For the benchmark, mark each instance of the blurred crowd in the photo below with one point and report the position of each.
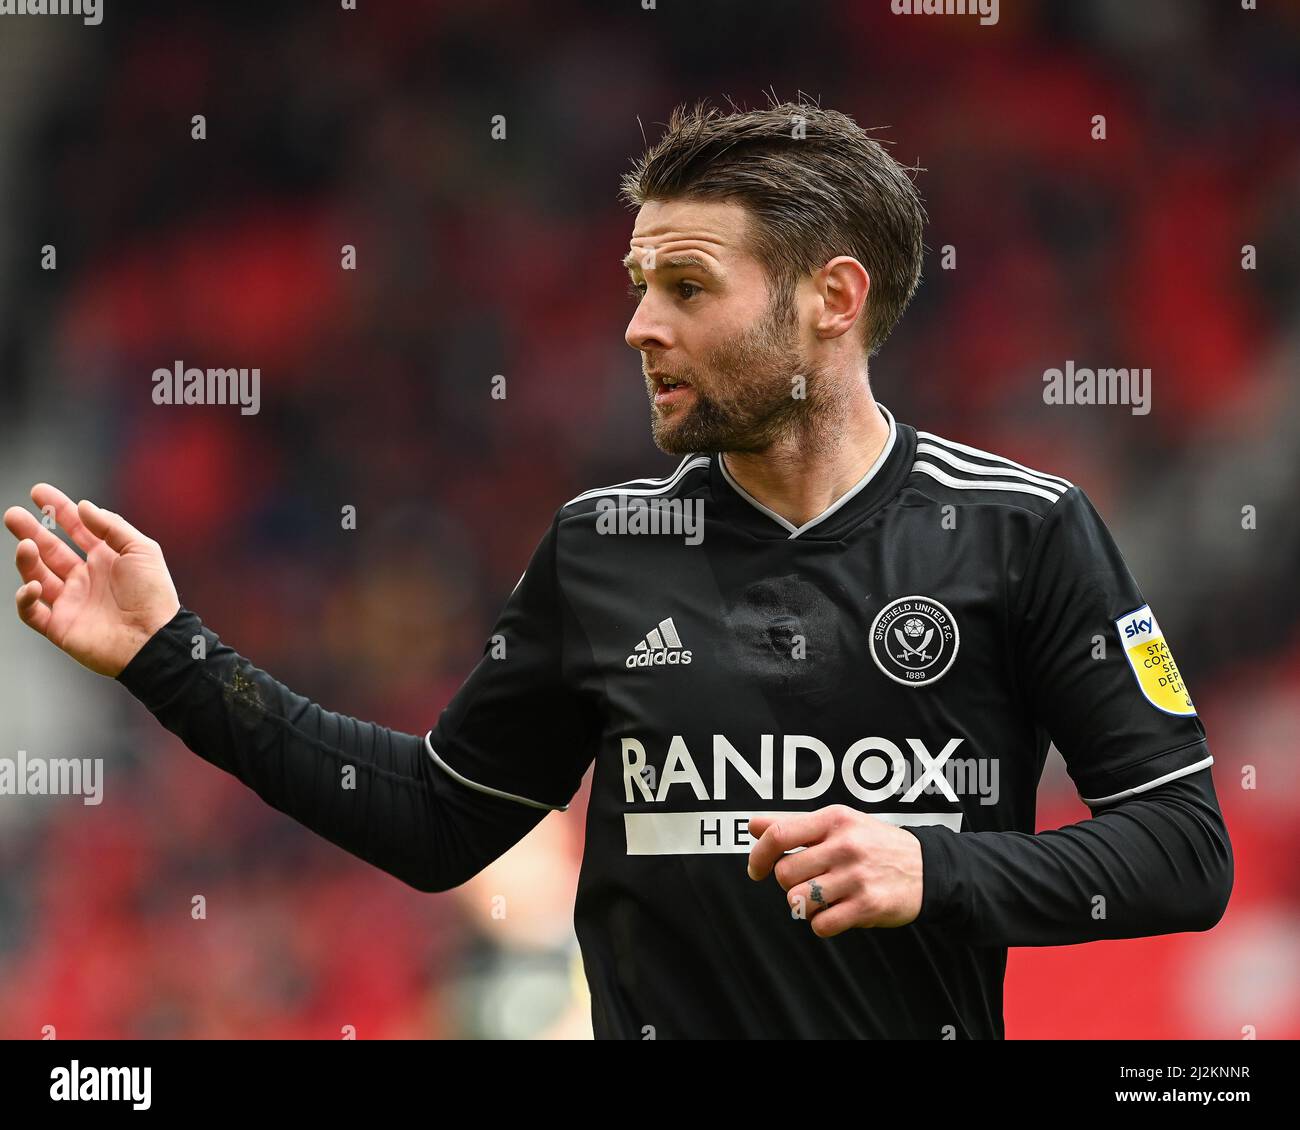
(479, 257)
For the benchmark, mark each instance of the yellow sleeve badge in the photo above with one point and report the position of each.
(1152, 663)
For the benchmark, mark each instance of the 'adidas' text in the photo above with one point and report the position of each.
(662, 647)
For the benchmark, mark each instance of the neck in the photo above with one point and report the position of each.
(799, 479)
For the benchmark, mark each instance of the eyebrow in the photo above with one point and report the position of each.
(672, 263)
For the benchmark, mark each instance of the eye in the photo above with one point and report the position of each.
(686, 290)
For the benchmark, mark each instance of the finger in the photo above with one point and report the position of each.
(60, 558)
(800, 866)
(31, 568)
(835, 920)
(31, 611)
(820, 893)
(790, 830)
(760, 824)
(65, 513)
(116, 532)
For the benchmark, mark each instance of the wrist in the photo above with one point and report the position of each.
(939, 902)
(163, 659)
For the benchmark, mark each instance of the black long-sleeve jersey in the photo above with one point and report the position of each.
(911, 652)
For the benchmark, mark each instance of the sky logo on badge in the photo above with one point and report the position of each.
(1149, 656)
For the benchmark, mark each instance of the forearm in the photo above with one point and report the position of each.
(1158, 863)
(372, 791)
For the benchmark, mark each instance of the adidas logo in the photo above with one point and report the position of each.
(661, 647)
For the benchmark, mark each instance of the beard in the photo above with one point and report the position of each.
(743, 394)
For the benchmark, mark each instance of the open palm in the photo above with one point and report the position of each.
(100, 610)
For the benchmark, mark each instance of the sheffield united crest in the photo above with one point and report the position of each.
(914, 640)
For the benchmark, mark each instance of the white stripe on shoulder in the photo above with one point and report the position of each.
(946, 456)
(651, 481)
(980, 453)
(982, 484)
(648, 486)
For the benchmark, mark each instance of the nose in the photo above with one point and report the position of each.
(647, 331)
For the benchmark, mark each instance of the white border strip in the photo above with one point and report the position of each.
(438, 761)
(1151, 784)
(715, 832)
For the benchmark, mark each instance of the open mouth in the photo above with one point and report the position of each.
(669, 388)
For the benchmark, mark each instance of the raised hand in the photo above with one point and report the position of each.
(100, 610)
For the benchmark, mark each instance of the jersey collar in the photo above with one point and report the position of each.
(883, 480)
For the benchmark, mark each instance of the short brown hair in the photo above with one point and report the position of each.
(817, 185)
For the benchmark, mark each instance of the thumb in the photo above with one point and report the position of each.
(116, 532)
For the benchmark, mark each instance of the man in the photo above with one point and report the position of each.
(829, 646)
